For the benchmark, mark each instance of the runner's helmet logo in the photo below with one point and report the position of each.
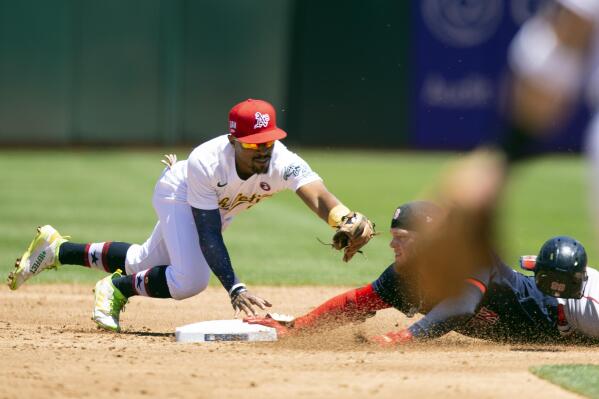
(261, 120)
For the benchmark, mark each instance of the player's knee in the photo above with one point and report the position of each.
(187, 290)
(186, 285)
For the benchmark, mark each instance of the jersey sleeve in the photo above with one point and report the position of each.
(200, 192)
(393, 290)
(297, 172)
(209, 227)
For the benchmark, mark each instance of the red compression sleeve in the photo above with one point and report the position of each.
(350, 306)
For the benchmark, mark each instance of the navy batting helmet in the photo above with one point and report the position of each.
(560, 269)
(415, 215)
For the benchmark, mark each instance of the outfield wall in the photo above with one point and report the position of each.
(152, 71)
(381, 73)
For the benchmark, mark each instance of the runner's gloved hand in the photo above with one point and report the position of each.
(282, 323)
(393, 338)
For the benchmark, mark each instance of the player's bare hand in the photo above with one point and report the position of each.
(392, 338)
(244, 301)
(169, 160)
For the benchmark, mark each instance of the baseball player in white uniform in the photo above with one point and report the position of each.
(195, 200)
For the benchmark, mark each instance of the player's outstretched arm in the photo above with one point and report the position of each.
(352, 306)
(316, 196)
(443, 318)
(209, 226)
(353, 229)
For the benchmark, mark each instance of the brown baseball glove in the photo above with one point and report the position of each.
(352, 234)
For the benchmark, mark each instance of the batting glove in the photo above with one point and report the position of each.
(393, 338)
(283, 329)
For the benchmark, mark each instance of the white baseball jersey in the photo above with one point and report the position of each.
(583, 314)
(208, 179)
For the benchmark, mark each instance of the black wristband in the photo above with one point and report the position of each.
(236, 290)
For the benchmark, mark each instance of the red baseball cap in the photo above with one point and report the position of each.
(254, 121)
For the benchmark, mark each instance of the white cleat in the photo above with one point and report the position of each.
(108, 304)
(42, 254)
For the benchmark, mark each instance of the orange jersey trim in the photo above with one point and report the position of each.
(477, 284)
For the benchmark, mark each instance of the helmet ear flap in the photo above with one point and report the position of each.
(528, 262)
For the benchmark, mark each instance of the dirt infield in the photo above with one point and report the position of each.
(50, 348)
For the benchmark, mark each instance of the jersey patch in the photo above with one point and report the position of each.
(483, 317)
(295, 170)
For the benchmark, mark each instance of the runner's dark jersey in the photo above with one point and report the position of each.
(498, 304)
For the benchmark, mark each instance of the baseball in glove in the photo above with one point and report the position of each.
(354, 231)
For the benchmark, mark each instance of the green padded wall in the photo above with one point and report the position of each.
(35, 71)
(167, 71)
(117, 81)
(234, 49)
(149, 71)
(349, 78)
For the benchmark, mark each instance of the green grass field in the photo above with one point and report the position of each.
(580, 378)
(106, 195)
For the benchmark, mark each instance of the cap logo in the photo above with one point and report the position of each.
(232, 125)
(397, 212)
(261, 120)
